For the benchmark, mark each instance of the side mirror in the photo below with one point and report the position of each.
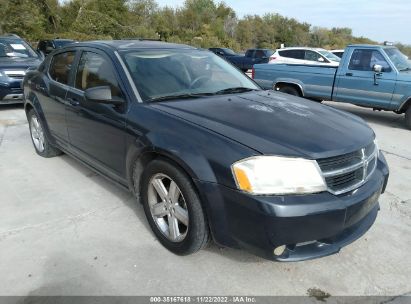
(377, 68)
(102, 95)
(321, 59)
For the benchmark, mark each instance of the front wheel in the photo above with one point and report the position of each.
(39, 139)
(173, 208)
(408, 117)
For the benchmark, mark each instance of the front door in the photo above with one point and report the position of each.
(357, 83)
(97, 130)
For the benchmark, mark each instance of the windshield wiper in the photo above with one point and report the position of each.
(405, 69)
(174, 97)
(234, 90)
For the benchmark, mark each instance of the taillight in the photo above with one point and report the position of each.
(272, 58)
(253, 73)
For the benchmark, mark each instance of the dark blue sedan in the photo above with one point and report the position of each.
(206, 151)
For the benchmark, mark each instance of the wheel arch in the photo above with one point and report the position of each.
(280, 84)
(32, 103)
(404, 107)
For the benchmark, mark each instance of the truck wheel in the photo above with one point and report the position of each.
(289, 90)
(39, 139)
(173, 208)
(408, 117)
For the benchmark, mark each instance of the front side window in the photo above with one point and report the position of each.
(365, 59)
(330, 56)
(94, 70)
(172, 72)
(312, 56)
(60, 67)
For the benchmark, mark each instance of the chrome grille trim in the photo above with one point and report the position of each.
(348, 177)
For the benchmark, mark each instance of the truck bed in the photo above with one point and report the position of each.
(314, 80)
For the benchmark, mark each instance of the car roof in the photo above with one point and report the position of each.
(301, 48)
(132, 44)
(372, 46)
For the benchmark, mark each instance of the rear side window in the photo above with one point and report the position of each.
(296, 54)
(94, 70)
(365, 59)
(60, 67)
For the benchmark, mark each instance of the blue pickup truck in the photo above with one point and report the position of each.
(373, 76)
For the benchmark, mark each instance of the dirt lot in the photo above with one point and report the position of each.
(66, 231)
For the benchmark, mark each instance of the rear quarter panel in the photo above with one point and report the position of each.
(316, 82)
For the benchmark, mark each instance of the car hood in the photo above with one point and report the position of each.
(18, 63)
(275, 123)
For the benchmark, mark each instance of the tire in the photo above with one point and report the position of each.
(39, 139)
(193, 230)
(290, 90)
(408, 117)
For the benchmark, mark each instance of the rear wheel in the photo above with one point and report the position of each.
(39, 139)
(289, 90)
(173, 208)
(408, 117)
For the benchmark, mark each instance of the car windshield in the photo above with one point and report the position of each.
(229, 52)
(398, 59)
(330, 56)
(16, 48)
(164, 74)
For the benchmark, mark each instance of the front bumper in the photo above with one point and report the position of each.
(311, 226)
(11, 91)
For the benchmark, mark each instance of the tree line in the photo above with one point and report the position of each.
(201, 23)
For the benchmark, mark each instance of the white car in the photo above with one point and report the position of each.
(304, 55)
(338, 53)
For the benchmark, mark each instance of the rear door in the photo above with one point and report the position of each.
(52, 93)
(97, 130)
(357, 82)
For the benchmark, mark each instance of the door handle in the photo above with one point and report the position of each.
(73, 102)
(348, 74)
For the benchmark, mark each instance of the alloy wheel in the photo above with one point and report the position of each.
(37, 134)
(168, 207)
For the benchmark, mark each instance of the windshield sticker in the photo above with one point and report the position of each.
(18, 46)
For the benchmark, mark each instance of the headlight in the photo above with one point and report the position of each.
(278, 175)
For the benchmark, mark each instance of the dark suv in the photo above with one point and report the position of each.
(16, 57)
(45, 47)
(208, 153)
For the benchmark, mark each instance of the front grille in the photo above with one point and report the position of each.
(349, 171)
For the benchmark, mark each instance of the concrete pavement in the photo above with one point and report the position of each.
(66, 231)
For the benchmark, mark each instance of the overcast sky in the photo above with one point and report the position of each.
(379, 20)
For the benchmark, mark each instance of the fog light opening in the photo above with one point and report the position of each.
(279, 250)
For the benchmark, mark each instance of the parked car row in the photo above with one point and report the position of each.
(16, 58)
(295, 55)
(372, 76)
